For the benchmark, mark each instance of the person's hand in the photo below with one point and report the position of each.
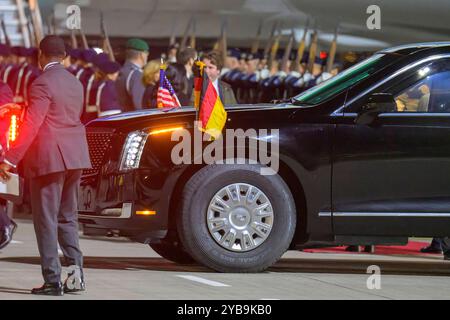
(4, 172)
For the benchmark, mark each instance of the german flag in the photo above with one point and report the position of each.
(211, 111)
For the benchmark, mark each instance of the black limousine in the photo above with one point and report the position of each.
(363, 158)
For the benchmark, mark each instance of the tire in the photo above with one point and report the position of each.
(194, 224)
(173, 251)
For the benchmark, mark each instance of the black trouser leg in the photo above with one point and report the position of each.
(4, 219)
(68, 219)
(46, 192)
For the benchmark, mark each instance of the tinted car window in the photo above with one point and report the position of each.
(425, 90)
(344, 80)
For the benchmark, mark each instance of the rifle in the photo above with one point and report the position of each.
(185, 35)
(272, 36)
(30, 33)
(313, 49)
(74, 40)
(223, 43)
(49, 24)
(173, 39)
(37, 22)
(287, 52)
(275, 47)
(5, 33)
(301, 45)
(106, 43)
(84, 39)
(255, 45)
(333, 49)
(192, 40)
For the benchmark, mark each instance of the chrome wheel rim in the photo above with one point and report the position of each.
(240, 217)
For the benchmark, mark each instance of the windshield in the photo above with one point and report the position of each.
(342, 81)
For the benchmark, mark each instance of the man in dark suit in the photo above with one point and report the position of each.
(213, 68)
(52, 143)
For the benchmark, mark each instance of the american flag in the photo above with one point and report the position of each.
(167, 97)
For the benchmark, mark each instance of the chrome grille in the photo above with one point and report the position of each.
(99, 142)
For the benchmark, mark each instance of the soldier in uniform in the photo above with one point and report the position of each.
(31, 72)
(130, 88)
(87, 70)
(249, 80)
(271, 87)
(19, 57)
(107, 101)
(74, 59)
(305, 76)
(232, 71)
(315, 74)
(90, 111)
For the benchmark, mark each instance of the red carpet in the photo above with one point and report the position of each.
(412, 248)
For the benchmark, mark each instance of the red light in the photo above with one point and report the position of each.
(13, 128)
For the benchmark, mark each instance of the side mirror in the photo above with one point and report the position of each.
(377, 103)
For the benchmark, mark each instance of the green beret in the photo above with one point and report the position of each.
(138, 44)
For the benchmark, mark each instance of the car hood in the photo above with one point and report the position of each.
(145, 117)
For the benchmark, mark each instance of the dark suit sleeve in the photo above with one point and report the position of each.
(228, 94)
(36, 113)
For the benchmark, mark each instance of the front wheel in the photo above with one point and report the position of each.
(233, 219)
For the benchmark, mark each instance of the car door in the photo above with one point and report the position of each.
(392, 177)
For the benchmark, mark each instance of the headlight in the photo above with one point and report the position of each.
(132, 150)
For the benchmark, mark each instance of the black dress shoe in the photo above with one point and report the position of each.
(431, 249)
(7, 234)
(49, 289)
(447, 255)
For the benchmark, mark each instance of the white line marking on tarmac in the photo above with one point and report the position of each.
(204, 281)
(16, 242)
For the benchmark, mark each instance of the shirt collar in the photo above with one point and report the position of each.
(134, 65)
(216, 85)
(50, 65)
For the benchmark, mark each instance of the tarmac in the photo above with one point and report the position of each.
(118, 269)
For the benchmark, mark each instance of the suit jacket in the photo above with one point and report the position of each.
(130, 88)
(52, 138)
(226, 94)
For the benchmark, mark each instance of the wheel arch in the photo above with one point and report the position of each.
(285, 172)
